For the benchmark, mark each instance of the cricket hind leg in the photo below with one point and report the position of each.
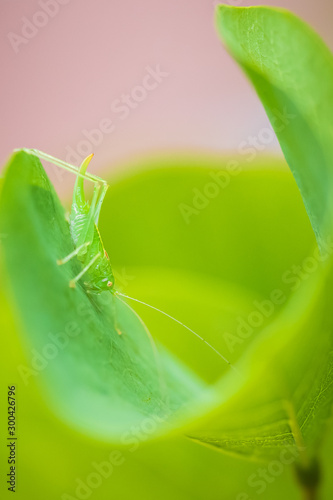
(87, 233)
(97, 181)
(75, 170)
(65, 165)
(99, 203)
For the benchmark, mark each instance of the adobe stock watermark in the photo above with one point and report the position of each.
(294, 276)
(250, 147)
(264, 309)
(122, 278)
(40, 360)
(57, 342)
(31, 27)
(264, 476)
(101, 471)
(220, 179)
(121, 108)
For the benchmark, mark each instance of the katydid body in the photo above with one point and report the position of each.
(89, 248)
(83, 223)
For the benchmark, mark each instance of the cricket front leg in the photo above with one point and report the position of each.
(68, 257)
(73, 281)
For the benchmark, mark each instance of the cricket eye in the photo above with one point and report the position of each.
(109, 283)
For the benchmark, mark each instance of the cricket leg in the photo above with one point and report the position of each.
(66, 166)
(99, 203)
(73, 281)
(68, 257)
(81, 173)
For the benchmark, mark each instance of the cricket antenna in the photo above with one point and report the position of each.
(180, 323)
(162, 382)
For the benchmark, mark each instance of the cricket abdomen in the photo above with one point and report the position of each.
(77, 226)
(100, 275)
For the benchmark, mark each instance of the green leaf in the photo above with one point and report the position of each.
(235, 233)
(232, 254)
(292, 72)
(238, 247)
(209, 270)
(184, 271)
(287, 397)
(98, 380)
(259, 237)
(251, 415)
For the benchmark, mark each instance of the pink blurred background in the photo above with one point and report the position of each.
(67, 77)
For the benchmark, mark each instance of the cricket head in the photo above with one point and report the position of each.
(102, 284)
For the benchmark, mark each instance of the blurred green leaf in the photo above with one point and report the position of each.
(287, 396)
(28, 205)
(98, 380)
(281, 359)
(185, 283)
(292, 72)
(209, 271)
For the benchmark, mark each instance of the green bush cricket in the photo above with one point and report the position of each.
(87, 240)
